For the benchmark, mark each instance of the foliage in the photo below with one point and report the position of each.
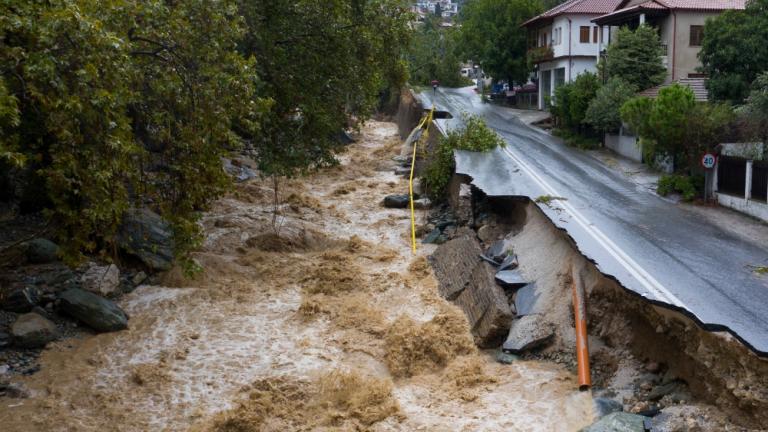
(572, 99)
(491, 35)
(684, 185)
(735, 50)
(635, 57)
(539, 54)
(575, 139)
(432, 55)
(675, 125)
(323, 65)
(603, 111)
(473, 136)
(754, 113)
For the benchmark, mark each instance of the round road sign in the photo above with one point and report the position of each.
(708, 161)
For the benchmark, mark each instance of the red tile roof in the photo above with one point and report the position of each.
(586, 7)
(704, 5)
(696, 84)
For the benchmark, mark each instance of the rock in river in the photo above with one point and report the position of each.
(146, 235)
(396, 201)
(42, 251)
(33, 331)
(97, 312)
(528, 332)
(104, 280)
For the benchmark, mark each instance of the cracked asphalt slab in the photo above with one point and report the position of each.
(661, 250)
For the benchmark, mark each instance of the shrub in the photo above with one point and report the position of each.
(474, 136)
(687, 186)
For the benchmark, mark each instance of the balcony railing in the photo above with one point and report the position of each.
(540, 54)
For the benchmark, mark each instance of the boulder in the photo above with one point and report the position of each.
(147, 236)
(618, 422)
(396, 201)
(605, 406)
(33, 331)
(42, 251)
(422, 204)
(21, 300)
(138, 278)
(97, 312)
(506, 358)
(527, 333)
(5, 339)
(432, 236)
(104, 280)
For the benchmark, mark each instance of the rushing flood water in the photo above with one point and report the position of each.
(194, 345)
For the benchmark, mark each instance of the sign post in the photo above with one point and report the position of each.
(708, 161)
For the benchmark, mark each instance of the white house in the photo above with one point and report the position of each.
(564, 42)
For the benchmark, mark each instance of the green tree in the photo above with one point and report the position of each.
(603, 111)
(754, 113)
(432, 55)
(322, 64)
(572, 100)
(635, 57)
(735, 50)
(491, 35)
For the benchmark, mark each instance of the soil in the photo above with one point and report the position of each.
(324, 320)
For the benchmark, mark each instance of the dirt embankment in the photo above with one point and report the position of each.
(323, 321)
(647, 357)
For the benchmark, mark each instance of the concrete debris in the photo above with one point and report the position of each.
(396, 201)
(605, 406)
(33, 331)
(509, 263)
(103, 280)
(469, 282)
(497, 252)
(527, 333)
(511, 279)
(618, 422)
(97, 312)
(463, 204)
(526, 299)
(506, 358)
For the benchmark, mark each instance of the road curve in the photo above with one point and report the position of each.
(655, 247)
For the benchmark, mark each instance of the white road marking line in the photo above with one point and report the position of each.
(648, 281)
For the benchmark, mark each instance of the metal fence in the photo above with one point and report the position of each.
(731, 175)
(760, 181)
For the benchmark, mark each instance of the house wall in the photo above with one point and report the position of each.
(686, 56)
(625, 145)
(576, 47)
(572, 66)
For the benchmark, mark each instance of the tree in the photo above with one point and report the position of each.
(490, 34)
(603, 111)
(735, 50)
(432, 55)
(635, 57)
(322, 65)
(674, 124)
(754, 113)
(572, 99)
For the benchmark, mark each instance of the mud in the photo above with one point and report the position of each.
(322, 321)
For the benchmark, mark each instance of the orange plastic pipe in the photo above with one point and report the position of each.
(582, 344)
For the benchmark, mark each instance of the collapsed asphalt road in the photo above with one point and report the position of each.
(660, 250)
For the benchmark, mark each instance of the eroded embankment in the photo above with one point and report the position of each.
(649, 358)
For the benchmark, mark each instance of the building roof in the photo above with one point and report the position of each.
(700, 92)
(584, 7)
(630, 8)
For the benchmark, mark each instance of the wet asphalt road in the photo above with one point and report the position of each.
(659, 249)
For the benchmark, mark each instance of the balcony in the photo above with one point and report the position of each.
(540, 54)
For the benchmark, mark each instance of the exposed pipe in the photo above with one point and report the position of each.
(582, 343)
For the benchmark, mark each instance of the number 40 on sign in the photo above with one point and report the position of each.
(708, 161)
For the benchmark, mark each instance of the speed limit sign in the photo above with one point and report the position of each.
(708, 161)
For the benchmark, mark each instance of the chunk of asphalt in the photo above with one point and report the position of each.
(488, 260)
(497, 251)
(511, 279)
(432, 236)
(525, 300)
(509, 263)
(527, 333)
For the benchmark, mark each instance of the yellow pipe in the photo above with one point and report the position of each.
(425, 121)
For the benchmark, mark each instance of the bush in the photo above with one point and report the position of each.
(687, 186)
(575, 139)
(474, 136)
(572, 100)
(603, 111)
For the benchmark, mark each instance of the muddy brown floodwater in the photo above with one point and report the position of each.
(332, 324)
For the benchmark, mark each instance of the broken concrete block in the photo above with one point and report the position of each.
(528, 332)
(486, 307)
(497, 252)
(432, 236)
(511, 279)
(509, 263)
(463, 206)
(453, 264)
(525, 300)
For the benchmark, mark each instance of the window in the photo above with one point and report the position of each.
(584, 34)
(697, 34)
(594, 34)
(558, 36)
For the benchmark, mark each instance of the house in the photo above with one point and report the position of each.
(680, 24)
(564, 42)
